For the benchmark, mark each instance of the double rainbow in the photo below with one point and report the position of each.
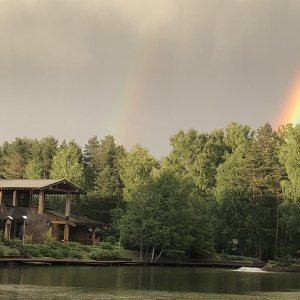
(132, 97)
(291, 110)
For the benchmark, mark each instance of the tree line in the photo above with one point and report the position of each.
(233, 190)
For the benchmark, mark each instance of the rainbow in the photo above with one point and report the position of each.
(132, 98)
(291, 110)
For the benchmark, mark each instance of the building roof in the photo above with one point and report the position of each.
(50, 186)
(74, 219)
(11, 212)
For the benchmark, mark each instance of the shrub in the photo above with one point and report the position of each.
(1, 252)
(13, 252)
(111, 239)
(54, 244)
(32, 250)
(86, 248)
(97, 254)
(104, 245)
(46, 250)
(64, 253)
(48, 236)
(18, 244)
(72, 245)
(28, 238)
(58, 254)
(76, 254)
(104, 254)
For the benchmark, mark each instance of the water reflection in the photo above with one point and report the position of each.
(155, 279)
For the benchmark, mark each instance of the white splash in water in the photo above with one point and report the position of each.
(249, 269)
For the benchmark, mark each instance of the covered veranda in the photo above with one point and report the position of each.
(16, 204)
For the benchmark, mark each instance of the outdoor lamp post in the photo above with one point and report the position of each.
(24, 217)
(10, 220)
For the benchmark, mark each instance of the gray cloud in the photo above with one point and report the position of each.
(72, 68)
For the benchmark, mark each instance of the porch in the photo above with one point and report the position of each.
(18, 210)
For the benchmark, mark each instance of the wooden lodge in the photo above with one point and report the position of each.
(17, 208)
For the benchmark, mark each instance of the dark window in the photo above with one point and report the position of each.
(7, 197)
(23, 198)
(61, 229)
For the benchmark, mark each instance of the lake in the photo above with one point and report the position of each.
(132, 282)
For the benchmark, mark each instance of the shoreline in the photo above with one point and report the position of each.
(123, 262)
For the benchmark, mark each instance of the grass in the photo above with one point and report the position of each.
(134, 255)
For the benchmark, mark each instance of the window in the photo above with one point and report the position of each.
(23, 198)
(7, 198)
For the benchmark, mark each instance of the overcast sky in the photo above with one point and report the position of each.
(141, 70)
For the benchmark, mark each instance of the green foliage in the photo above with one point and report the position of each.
(137, 166)
(13, 252)
(104, 254)
(113, 234)
(32, 250)
(5, 247)
(177, 254)
(86, 248)
(102, 168)
(48, 236)
(68, 250)
(197, 156)
(67, 163)
(289, 156)
(40, 163)
(47, 250)
(227, 257)
(15, 156)
(105, 245)
(160, 215)
(212, 190)
(71, 245)
(74, 253)
(285, 261)
(17, 244)
(1, 252)
(249, 195)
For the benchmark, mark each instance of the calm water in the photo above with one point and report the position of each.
(162, 283)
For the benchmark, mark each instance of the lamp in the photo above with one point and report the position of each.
(24, 217)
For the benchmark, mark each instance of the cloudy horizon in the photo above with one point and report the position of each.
(142, 70)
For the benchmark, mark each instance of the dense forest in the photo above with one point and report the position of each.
(234, 190)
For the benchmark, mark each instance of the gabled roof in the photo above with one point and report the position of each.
(50, 186)
(16, 213)
(11, 212)
(74, 219)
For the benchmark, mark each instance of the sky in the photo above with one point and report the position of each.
(141, 70)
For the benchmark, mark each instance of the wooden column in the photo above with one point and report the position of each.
(14, 230)
(93, 236)
(66, 233)
(41, 202)
(68, 205)
(30, 199)
(6, 229)
(15, 203)
(55, 231)
(1, 197)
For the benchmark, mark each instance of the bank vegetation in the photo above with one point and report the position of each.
(234, 191)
